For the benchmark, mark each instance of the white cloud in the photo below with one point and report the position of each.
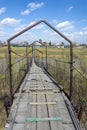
(20, 27)
(46, 31)
(2, 10)
(50, 33)
(70, 8)
(9, 22)
(10, 26)
(31, 23)
(34, 6)
(25, 12)
(31, 7)
(85, 28)
(79, 36)
(65, 26)
(2, 33)
(55, 21)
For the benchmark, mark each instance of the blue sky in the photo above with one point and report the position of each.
(68, 16)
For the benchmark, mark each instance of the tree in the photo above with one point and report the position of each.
(62, 43)
(40, 41)
(50, 43)
(74, 44)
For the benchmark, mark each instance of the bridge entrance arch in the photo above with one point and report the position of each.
(54, 29)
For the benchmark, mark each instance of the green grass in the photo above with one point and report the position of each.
(55, 53)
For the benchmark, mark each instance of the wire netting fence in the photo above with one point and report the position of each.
(20, 64)
(4, 85)
(59, 68)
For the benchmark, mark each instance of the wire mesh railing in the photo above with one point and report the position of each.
(4, 85)
(19, 66)
(59, 68)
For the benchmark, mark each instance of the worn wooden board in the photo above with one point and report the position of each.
(53, 111)
(42, 93)
(31, 112)
(42, 103)
(42, 113)
(40, 88)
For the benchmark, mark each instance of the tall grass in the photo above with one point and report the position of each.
(59, 67)
(18, 56)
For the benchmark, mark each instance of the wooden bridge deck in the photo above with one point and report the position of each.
(39, 105)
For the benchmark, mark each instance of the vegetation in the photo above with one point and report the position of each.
(18, 71)
(58, 66)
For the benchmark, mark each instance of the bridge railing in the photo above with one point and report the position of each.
(79, 99)
(20, 63)
(59, 68)
(4, 85)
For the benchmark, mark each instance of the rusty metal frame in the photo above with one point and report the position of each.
(59, 33)
(27, 56)
(41, 53)
(45, 53)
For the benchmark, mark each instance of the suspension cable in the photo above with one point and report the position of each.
(79, 72)
(4, 72)
(16, 53)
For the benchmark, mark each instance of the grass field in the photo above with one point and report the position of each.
(79, 54)
(63, 54)
(57, 52)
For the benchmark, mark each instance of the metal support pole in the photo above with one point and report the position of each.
(32, 51)
(71, 69)
(27, 57)
(10, 71)
(46, 59)
(56, 69)
(42, 59)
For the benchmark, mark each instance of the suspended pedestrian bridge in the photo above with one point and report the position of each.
(36, 101)
(40, 104)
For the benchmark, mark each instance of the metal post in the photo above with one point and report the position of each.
(46, 59)
(10, 71)
(56, 68)
(42, 59)
(32, 51)
(27, 56)
(71, 69)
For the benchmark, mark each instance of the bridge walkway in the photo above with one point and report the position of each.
(39, 105)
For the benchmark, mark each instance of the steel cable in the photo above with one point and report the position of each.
(79, 72)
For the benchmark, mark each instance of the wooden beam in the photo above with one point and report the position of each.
(43, 93)
(42, 103)
(44, 119)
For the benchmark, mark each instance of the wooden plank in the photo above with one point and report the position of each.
(40, 88)
(42, 103)
(18, 127)
(42, 93)
(22, 109)
(63, 110)
(43, 119)
(56, 91)
(31, 113)
(53, 111)
(42, 113)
